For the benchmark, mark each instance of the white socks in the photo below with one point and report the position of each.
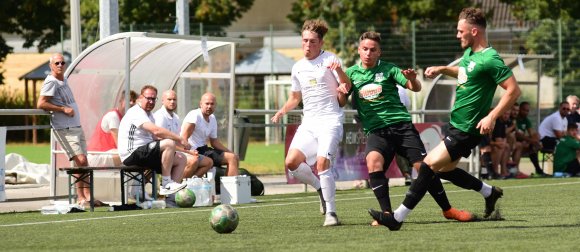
(328, 190)
(485, 190)
(401, 213)
(165, 180)
(304, 174)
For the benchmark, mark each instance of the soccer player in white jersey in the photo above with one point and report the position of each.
(315, 80)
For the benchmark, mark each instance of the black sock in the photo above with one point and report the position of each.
(461, 178)
(438, 193)
(419, 186)
(486, 157)
(380, 185)
(534, 158)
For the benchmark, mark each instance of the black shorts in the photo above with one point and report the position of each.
(549, 143)
(401, 138)
(217, 156)
(459, 143)
(148, 155)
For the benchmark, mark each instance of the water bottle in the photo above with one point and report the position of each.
(146, 204)
(158, 204)
(205, 193)
(196, 187)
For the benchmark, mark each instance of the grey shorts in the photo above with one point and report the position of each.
(72, 141)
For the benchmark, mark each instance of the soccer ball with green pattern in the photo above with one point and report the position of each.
(224, 219)
(185, 198)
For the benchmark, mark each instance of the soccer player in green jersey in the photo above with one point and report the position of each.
(387, 123)
(479, 73)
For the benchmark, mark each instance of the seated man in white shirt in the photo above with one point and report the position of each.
(143, 143)
(166, 117)
(554, 127)
(200, 126)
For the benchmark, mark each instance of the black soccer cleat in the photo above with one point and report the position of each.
(322, 202)
(490, 201)
(386, 219)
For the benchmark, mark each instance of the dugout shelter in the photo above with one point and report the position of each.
(190, 65)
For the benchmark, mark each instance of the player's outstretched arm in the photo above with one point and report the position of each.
(434, 71)
(293, 101)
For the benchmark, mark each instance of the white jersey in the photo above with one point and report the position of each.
(203, 129)
(553, 122)
(318, 86)
(165, 120)
(131, 132)
(110, 121)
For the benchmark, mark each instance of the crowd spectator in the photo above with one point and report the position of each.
(568, 153)
(574, 115)
(528, 138)
(553, 127)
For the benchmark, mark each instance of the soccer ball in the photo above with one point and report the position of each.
(224, 219)
(185, 198)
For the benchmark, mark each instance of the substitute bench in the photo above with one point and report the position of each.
(128, 174)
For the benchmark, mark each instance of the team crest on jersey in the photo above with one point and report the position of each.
(312, 82)
(379, 77)
(471, 66)
(370, 91)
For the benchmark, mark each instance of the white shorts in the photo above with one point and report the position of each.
(100, 160)
(317, 140)
(72, 141)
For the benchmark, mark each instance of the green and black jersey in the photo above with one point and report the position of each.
(477, 79)
(376, 96)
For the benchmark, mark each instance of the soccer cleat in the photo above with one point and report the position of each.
(322, 202)
(171, 188)
(458, 215)
(490, 201)
(386, 219)
(331, 220)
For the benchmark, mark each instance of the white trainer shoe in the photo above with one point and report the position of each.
(171, 188)
(331, 220)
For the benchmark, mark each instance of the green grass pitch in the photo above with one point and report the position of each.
(539, 215)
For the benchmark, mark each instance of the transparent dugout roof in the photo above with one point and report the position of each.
(97, 76)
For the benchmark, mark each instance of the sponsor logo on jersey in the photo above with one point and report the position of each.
(370, 91)
(471, 66)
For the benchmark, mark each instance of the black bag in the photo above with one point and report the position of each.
(256, 186)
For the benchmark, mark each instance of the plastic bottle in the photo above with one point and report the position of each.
(205, 193)
(155, 204)
(196, 187)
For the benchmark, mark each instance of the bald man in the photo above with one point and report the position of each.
(167, 118)
(200, 126)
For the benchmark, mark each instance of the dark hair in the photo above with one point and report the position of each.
(132, 96)
(564, 103)
(148, 87)
(572, 126)
(372, 35)
(524, 103)
(473, 16)
(516, 104)
(317, 26)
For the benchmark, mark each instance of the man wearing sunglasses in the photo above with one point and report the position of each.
(57, 98)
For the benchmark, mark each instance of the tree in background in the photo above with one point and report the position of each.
(358, 16)
(39, 21)
(543, 38)
(159, 15)
(36, 21)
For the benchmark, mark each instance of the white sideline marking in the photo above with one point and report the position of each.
(256, 206)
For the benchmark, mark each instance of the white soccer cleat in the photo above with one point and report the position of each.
(331, 220)
(171, 188)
